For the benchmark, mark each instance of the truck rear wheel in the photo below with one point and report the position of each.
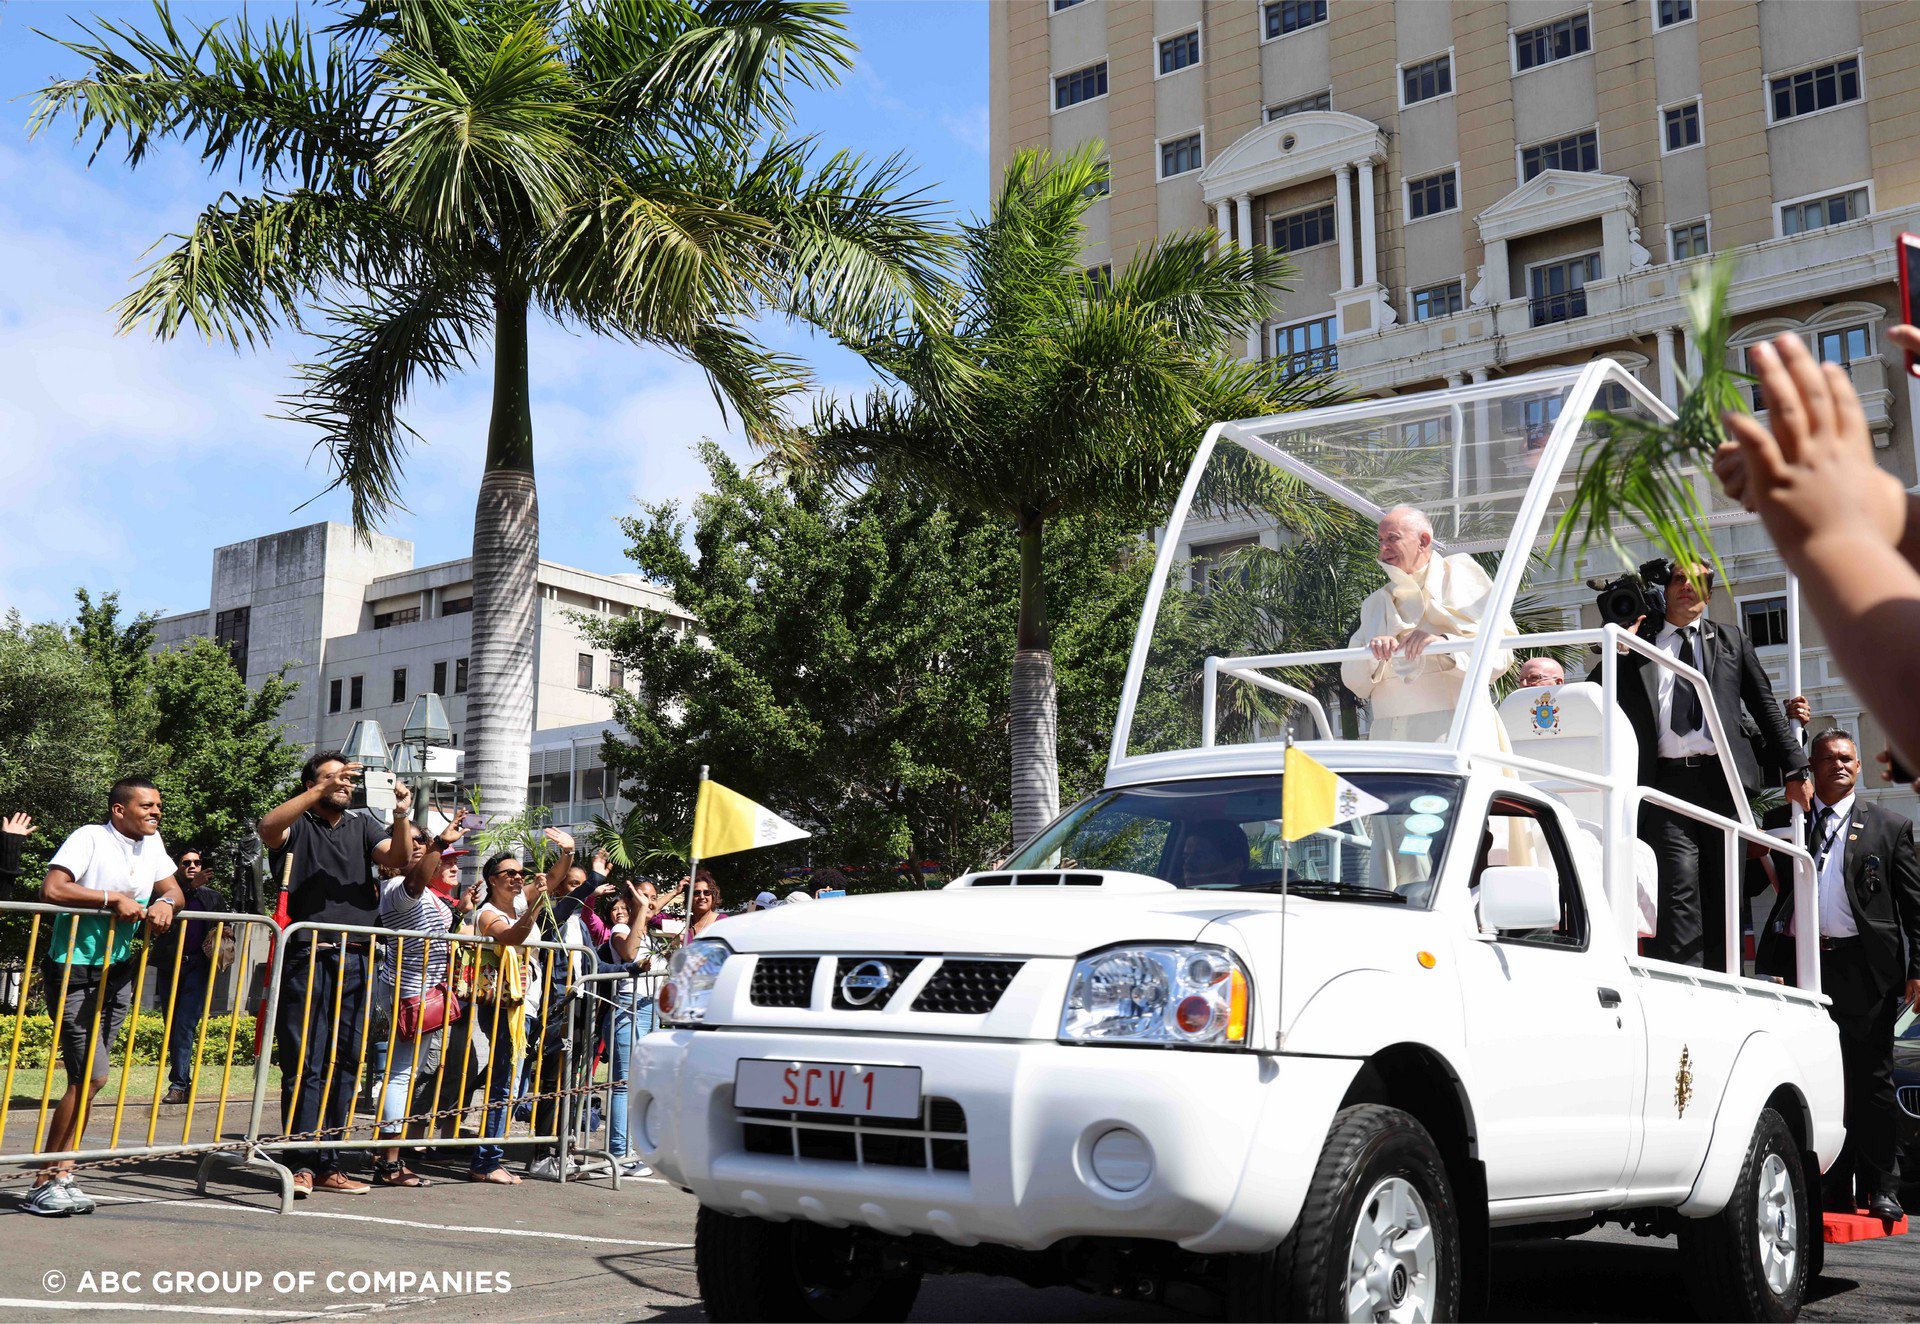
(1752, 1260)
(1378, 1236)
(751, 1270)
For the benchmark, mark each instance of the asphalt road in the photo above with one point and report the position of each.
(584, 1253)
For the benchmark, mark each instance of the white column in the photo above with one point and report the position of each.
(1669, 387)
(1223, 223)
(1615, 257)
(1455, 379)
(1343, 223)
(1243, 207)
(1495, 272)
(1369, 241)
(1479, 375)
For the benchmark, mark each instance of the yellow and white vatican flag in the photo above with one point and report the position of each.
(726, 821)
(1314, 797)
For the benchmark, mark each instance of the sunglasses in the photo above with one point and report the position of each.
(508, 873)
(189, 863)
(702, 894)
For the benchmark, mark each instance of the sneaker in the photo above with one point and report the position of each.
(82, 1202)
(50, 1199)
(545, 1169)
(635, 1168)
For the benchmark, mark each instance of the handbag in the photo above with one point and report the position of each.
(427, 1012)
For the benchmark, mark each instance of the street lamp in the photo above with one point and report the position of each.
(425, 727)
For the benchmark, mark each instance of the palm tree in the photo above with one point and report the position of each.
(1059, 392)
(431, 172)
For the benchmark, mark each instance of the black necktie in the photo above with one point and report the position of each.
(1822, 844)
(1687, 717)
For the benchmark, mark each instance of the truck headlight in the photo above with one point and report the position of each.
(690, 978)
(1184, 996)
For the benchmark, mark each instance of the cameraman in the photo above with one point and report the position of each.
(1679, 758)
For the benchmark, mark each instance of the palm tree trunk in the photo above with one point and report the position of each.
(1035, 714)
(506, 594)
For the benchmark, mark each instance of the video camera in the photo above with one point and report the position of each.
(1625, 600)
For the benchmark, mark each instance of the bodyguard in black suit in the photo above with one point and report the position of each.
(1678, 756)
(1869, 912)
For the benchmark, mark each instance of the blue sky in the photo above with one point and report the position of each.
(124, 461)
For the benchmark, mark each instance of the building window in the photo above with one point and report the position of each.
(399, 685)
(1689, 240)
(1558, 289)
(1561, 39)
(1102, 183)
(1080, 85)
(1180, 156)
(1432, 195)
(1818, 213)
(1426, 80)
(1844, 345)
(1425, 432)
(403, 616)
(1581, 151)
(1682, 126)
(460, 676)
(1100, 279)
(1284, 16)
(1764, 621)
(616, 674)
(1306, 347)
(1302, 229)
(1059, 5)
(1819, 88)
(455, 606)
(440, 678)
(230, 631)
(356, 692)
(1437, 301)
(1179, 52)
(1318, 101)
(333, 696)
(1205, 571)
(1668, 12)
(583, 672)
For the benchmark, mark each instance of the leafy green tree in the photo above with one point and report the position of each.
(432, 173)
(1057, 395)
(849, 666)
(124, 653)
(57, 735)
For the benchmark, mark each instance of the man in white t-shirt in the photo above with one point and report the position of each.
(120, 869)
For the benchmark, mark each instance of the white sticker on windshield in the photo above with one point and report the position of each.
(1426, 824)
(1417, 846)
(1428, 804)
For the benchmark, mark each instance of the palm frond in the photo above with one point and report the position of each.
(737, 57)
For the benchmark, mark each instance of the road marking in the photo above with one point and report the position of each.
(26, 1303)
(222, 1207)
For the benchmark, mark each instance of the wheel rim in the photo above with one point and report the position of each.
(1392, 1262)
(1779, 1230)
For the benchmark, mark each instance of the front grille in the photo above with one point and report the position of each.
(966, 988)
(895, 968)
(935, 1142)
(783, 981)
(1909, 1097)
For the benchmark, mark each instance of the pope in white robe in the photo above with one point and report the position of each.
(1426, 599)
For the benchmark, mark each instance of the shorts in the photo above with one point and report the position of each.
(75, 1018)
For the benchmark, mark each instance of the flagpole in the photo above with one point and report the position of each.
(1286, 855)
(693, 847)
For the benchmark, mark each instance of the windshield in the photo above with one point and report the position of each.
(1223, 833)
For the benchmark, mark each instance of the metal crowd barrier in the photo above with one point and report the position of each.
(319, 954)
(609, 996)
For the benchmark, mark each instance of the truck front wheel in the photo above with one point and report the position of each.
(751, 1270)
(1752, 1259)
(1377, 1239)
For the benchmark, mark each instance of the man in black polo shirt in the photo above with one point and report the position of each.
(331, 882)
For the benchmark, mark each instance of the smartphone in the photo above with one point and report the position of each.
(1908, 250)
(469, 821)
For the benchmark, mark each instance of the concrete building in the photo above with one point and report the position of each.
(364, 631)
(1474, 190)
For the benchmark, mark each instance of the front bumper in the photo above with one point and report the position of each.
(1233, 1138)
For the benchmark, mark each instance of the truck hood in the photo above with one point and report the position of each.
(1030, 922)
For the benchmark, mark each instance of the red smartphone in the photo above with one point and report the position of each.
(1908, 248)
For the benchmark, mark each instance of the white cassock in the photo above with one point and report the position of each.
(1448, 599)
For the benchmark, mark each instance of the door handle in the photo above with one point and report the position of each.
(1609, 997)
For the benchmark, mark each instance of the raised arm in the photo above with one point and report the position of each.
(422, 871)
(274, 826)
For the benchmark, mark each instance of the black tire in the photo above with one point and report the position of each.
(751, 1270)
(1726, 1263)
(1369, 1147)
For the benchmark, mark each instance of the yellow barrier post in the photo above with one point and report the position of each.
(166, 1033)
(85, 1110)
(19, 1021)
(393, 1021)
(539, 1056)
(199, 1035)
(466, 1054)
(446, 1029)
(59, 1011)
(292, 1118)
(239, 968)
(133, 1033)
(333, 1037)
(360, 1073)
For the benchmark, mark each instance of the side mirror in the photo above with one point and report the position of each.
(1516, 896)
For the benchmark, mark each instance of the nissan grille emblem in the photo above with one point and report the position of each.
(865, 982)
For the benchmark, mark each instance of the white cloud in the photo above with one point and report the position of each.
(969, 127)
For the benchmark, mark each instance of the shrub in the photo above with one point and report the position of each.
(36, 1039)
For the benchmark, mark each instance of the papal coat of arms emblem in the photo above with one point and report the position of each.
(1546, 715)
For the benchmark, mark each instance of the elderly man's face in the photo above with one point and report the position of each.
(1402, 545)
(1538, 671)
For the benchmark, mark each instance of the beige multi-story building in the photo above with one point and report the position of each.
(1473, 190)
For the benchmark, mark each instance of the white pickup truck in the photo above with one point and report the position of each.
(1162, 1052)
